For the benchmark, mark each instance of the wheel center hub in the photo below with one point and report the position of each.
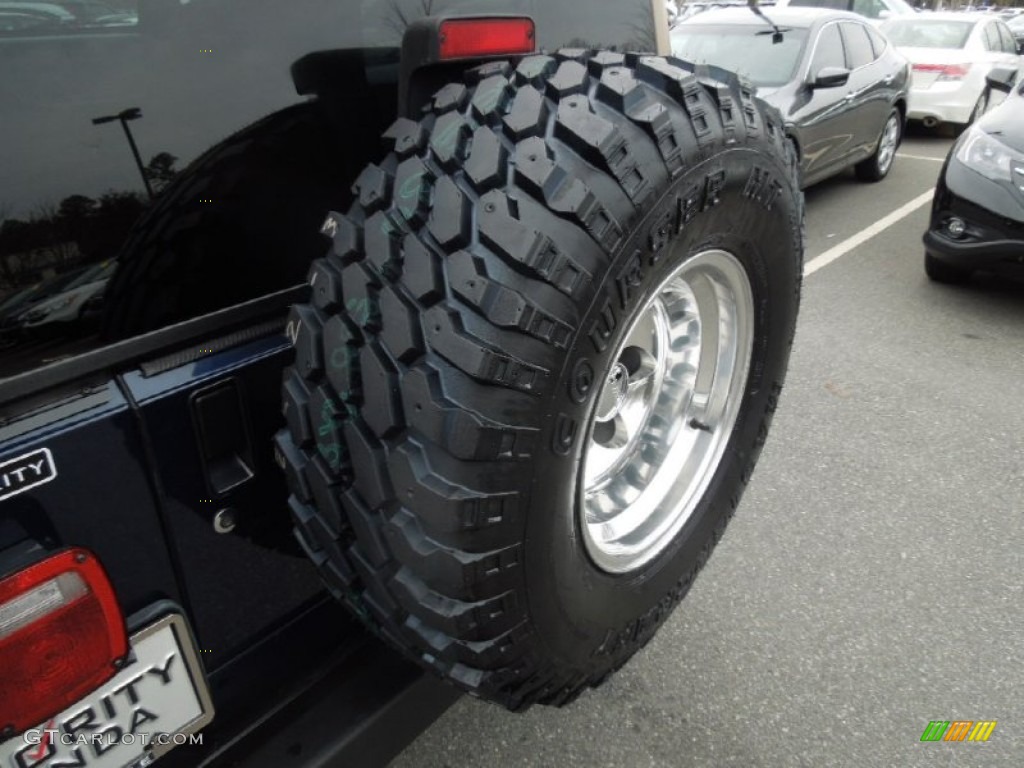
(613, 396)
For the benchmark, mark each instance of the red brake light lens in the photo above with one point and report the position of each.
(60, 631)
(468, 38)
(945, 71)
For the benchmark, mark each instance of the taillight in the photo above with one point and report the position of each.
(945, 71)
(470, 38)
(61, 631)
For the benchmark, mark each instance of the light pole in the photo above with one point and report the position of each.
(133, 113)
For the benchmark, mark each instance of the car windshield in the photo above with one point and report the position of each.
(928, 33)
(747, 50)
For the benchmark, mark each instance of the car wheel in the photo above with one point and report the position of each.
(941, 272)
(540, 362)
(877, 167)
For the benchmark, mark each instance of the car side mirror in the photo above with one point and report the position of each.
(885, 14)
(1001, 79)
(831, 77)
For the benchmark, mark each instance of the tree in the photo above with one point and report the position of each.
(161, 171)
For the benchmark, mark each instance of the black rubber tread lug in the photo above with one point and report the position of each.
(422, 276)
(372, 188)
(570, 78)
(480, 654)
(382, 405)
(528, 115)
(534, 70)
(401, 334)
(452, 96)
(477, 620)
(327, 417)
(359, 285)
(537, 172)
(448, 140)
(485, 167)
(326, 491)
(383, 250)
(368, 464)
(447, 337)
(490, 98)
(453, 572)
(533, 252)
(326, 293)
(448, 507)
(305, 324)
(477, 75)
(502, 306)
(459, 431)
(601, 60)
(407, 136)
(295, 397)
(346, 242)
(293, 462)
(602, 143)
(412, 190)
(367, 527)
(342, 358)
(450, 217)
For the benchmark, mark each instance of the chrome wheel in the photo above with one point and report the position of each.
(888, 143)
(666, 410)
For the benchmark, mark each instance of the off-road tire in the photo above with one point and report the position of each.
(240, 222)
(446, 370)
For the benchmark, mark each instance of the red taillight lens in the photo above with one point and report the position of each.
(945, 71)
(60, 632)
(468, 38)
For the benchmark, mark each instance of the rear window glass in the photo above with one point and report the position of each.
(922, 33)
(745, 50)
(194, 147)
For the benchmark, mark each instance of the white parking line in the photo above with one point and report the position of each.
(866, 234)
(921, 157)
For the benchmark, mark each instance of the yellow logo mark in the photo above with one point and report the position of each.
(982, 730)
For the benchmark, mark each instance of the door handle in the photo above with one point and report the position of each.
(222, 430)
(849, 96)
(888, 80)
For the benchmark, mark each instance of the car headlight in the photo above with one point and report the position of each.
(984, 153)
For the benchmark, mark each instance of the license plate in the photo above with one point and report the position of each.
(151, 706)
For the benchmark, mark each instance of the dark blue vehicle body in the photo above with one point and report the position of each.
(160, 426)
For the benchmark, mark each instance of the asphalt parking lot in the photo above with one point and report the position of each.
(872, 580)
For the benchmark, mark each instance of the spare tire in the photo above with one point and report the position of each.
(540, 363)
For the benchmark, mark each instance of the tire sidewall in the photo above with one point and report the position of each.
(746, 205)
